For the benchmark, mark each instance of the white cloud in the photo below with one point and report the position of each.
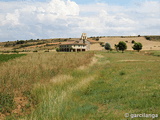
(65, 18)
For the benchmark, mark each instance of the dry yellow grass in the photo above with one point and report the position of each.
(147, 45)
(96, 46)
(22, 73)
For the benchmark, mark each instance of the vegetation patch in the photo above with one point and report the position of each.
(6, 103)
(25, 73)
(100, 91)
(153, 38)
(155, 53)
(6, 57)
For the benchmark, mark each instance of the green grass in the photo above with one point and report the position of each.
(119, 83)
(116, 84)
(156, 53)
(6, 57)
(20, 76)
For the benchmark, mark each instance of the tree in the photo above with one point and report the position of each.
(137, 46)
(107, 46)
(122, 46)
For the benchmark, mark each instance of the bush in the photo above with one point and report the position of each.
(26, 45)
(20, 42)
(35, 51)
(133, 41)
(122, 46)
(107, 46)
(137, 46)
(58, 49)
(97, 39)
(148, 38)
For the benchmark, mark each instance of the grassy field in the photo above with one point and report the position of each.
(104, 88)
(18, 77)
(155, 53)
(6, 57)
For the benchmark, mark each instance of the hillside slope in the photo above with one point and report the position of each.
(147, 45)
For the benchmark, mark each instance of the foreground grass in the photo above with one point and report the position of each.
(39, 67)
(18, 76)
(117, 84)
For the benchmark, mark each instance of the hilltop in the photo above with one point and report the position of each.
(148, 42)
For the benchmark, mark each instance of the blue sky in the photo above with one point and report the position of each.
(31, 19)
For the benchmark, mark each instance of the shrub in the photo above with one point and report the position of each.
(101, 44)
(97, 39)
(58, 49)
(148, 38)
(20, 42)
(35, 51)
(137, 46)
(107, 46)
(122, 46)
(133, 42)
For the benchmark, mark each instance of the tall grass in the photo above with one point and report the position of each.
(20, 75)
(113, 85)
(116, 84)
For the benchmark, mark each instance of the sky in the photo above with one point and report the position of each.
(40, 19)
